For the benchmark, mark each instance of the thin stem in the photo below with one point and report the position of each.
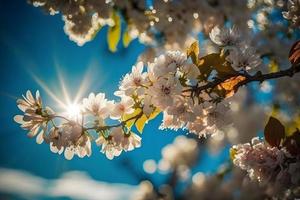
(122, 123)
(53, 124)
(61, 117)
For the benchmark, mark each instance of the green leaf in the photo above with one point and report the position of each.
(274, 132)
(193, 52)
(114, 32)
(126, 38)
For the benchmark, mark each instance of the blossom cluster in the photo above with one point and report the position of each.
(170, 84)
(82, 19)
(172, 25)
(71, 136)
(267, 164)
(241, 55)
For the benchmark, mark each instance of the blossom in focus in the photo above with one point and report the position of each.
(71, 139)
(134, 81)
(34, 118)
(163, 92)
(121, 108)
(108, 147)
(118, 141)
(97, 105)
(244, 58)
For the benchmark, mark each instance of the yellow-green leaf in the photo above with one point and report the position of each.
(154, 114)
(217, 62)
(193, 52)
(141, 122)
(114, 32)
(273, 66)
(126, 38)
(129, 123)
(232, 153)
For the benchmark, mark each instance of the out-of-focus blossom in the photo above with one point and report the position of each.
(293, 12)
(268, 165)
(225, 36)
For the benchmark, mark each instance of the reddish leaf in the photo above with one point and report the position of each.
(274, 132)
(294, 55)
(228, 86)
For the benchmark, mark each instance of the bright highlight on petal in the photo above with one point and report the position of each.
(73, 111)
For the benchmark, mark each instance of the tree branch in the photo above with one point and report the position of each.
(263, 77)
(258, 77)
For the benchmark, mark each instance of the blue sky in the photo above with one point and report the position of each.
(33, 43)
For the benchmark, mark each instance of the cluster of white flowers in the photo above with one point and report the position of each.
(241, 55)
(71, 137)
(169, 25)
(268, 165)
(167, 86)
(160, 87)
(82, 18)
(293, 12)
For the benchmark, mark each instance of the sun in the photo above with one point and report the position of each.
(73, 110)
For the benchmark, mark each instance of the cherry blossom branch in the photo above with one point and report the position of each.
(98, 128)
(258, 77)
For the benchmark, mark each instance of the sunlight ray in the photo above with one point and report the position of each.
(48, 90)
(85, 84)
(63, 86)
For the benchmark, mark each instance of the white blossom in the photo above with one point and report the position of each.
(108, 147)
(121, 108)
(134, 81)
(34, 118)
(274, 168)
(97, 105)
(244, 58)
(163, 92)
(71, 139)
